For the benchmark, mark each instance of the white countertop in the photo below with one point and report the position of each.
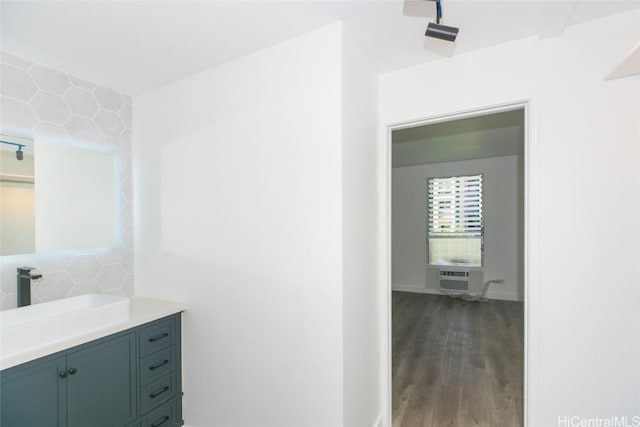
(142, 310)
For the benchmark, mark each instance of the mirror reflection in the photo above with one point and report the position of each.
(58, 197)
(17, 203)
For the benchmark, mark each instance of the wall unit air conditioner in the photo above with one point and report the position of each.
(460, 280)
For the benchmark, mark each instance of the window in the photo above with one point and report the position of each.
(454, 220)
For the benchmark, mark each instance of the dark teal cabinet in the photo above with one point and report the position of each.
(101, 384)
(167, 415)
(34, 394)
(159, 373)
(132, 378)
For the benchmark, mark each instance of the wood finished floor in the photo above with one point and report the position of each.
(456, 363)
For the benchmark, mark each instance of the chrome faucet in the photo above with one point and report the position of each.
(24, 285)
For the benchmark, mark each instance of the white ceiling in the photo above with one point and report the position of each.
(136, 46)
(493, 135)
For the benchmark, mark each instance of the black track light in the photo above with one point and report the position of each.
(19, 153)
(442, 32)
(439, 31)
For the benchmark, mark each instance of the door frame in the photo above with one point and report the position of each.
(530, 253)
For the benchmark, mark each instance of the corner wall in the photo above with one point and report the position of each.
(583, 249)
(359, 236)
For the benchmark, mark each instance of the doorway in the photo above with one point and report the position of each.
(453, 361)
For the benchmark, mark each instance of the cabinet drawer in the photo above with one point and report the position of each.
(157, 392)
(165, 416)
(157, 336)
(157, 364)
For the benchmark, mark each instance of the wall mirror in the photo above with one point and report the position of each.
(56, 196)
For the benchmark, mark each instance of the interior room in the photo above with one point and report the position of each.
(210, 239)
(458, 270)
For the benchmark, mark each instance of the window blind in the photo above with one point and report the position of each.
(454, 206)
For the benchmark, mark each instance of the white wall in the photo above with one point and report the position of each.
(583, 284)
(502, 215)
(359, 238)
(241, 217)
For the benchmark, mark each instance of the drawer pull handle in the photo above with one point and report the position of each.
(62, 374)
(72, 371)
(159, 392)
(159, 337)
(160, 422)
(158, 365)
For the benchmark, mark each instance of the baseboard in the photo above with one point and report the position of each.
(423, 290)
(376, 423)
(504, 296)
(416, 289)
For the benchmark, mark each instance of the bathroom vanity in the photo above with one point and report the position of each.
(125, 375)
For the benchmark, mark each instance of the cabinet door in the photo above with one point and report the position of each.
(33, 394)
(101, 384)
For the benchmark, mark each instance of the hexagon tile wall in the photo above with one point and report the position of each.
(37, 101)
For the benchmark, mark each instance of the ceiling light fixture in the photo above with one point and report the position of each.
(440, 31)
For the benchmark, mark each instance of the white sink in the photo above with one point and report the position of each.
(26, 328)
